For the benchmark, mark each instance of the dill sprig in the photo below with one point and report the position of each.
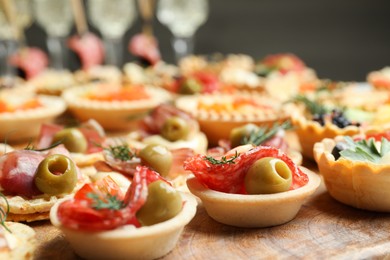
(109, 202)
(223, 160)
(314, 108)
(4, 213)
(121, 152)
(261, 135)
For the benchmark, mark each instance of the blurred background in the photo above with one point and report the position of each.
(341, 40)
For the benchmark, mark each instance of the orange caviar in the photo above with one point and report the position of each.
(120, 94)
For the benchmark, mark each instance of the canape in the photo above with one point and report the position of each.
(255, 187)
(356, 170)
(130, 231)
(32, 181)
(219, 113)
(113, 106)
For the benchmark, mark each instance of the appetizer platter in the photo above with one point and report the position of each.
(191, 161)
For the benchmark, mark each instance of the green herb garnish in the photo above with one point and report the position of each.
(314, 108)
(263, 134)
(223, 159)
(365, 150)
(121, 152)
(4, 213)
(109, 202)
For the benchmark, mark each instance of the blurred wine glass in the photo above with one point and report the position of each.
(55, 17)
(112, 18)
(12, 35)
(183, 18)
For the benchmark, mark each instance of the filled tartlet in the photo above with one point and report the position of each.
(23, 112)
(251, 186)
(380, 79)
(286, 75)
(356, 170)
(219, 113)
(53, 82)
(274, 136)
(32, 181)
(101, 222)
(115, 107)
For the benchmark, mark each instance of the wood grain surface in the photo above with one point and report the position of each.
(323, 229)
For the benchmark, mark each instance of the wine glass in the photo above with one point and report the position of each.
(183, 18)
(11, 33)
(112, 18)
(55, 16)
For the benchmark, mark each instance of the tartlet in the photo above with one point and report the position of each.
(219, 113)
(128, 242)
(359, 184)
(53, 82)
(380, 79)
(257, 211)
(22, 125)
(112, 114)
(309, 132)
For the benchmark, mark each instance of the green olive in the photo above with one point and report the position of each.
(157, 157)
(268, 175)
(238, 134)
(175, 128)
(163, 203)
(56, 174)
(73, 140)
(190, 86)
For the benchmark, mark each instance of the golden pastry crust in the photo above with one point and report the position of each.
(359, 184)
(53, 82)
(112, 115)
(309, 132)
(248, 210)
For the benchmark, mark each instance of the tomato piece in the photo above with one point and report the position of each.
(229, 177)
(378, 136)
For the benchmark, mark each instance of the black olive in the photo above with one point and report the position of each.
(340, 146)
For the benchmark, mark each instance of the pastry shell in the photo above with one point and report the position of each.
(112, 115)
(309, 132)
(149, 242)
(218, 124)
(24, 125)
(358, 184)
(254, 211)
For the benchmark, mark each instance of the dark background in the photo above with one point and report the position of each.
(340, 39)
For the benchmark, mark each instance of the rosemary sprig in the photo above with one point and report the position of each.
(32, 148)
(223, 160)
(313, 107)
(4, 213)
(263, 134)
(109, 202)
